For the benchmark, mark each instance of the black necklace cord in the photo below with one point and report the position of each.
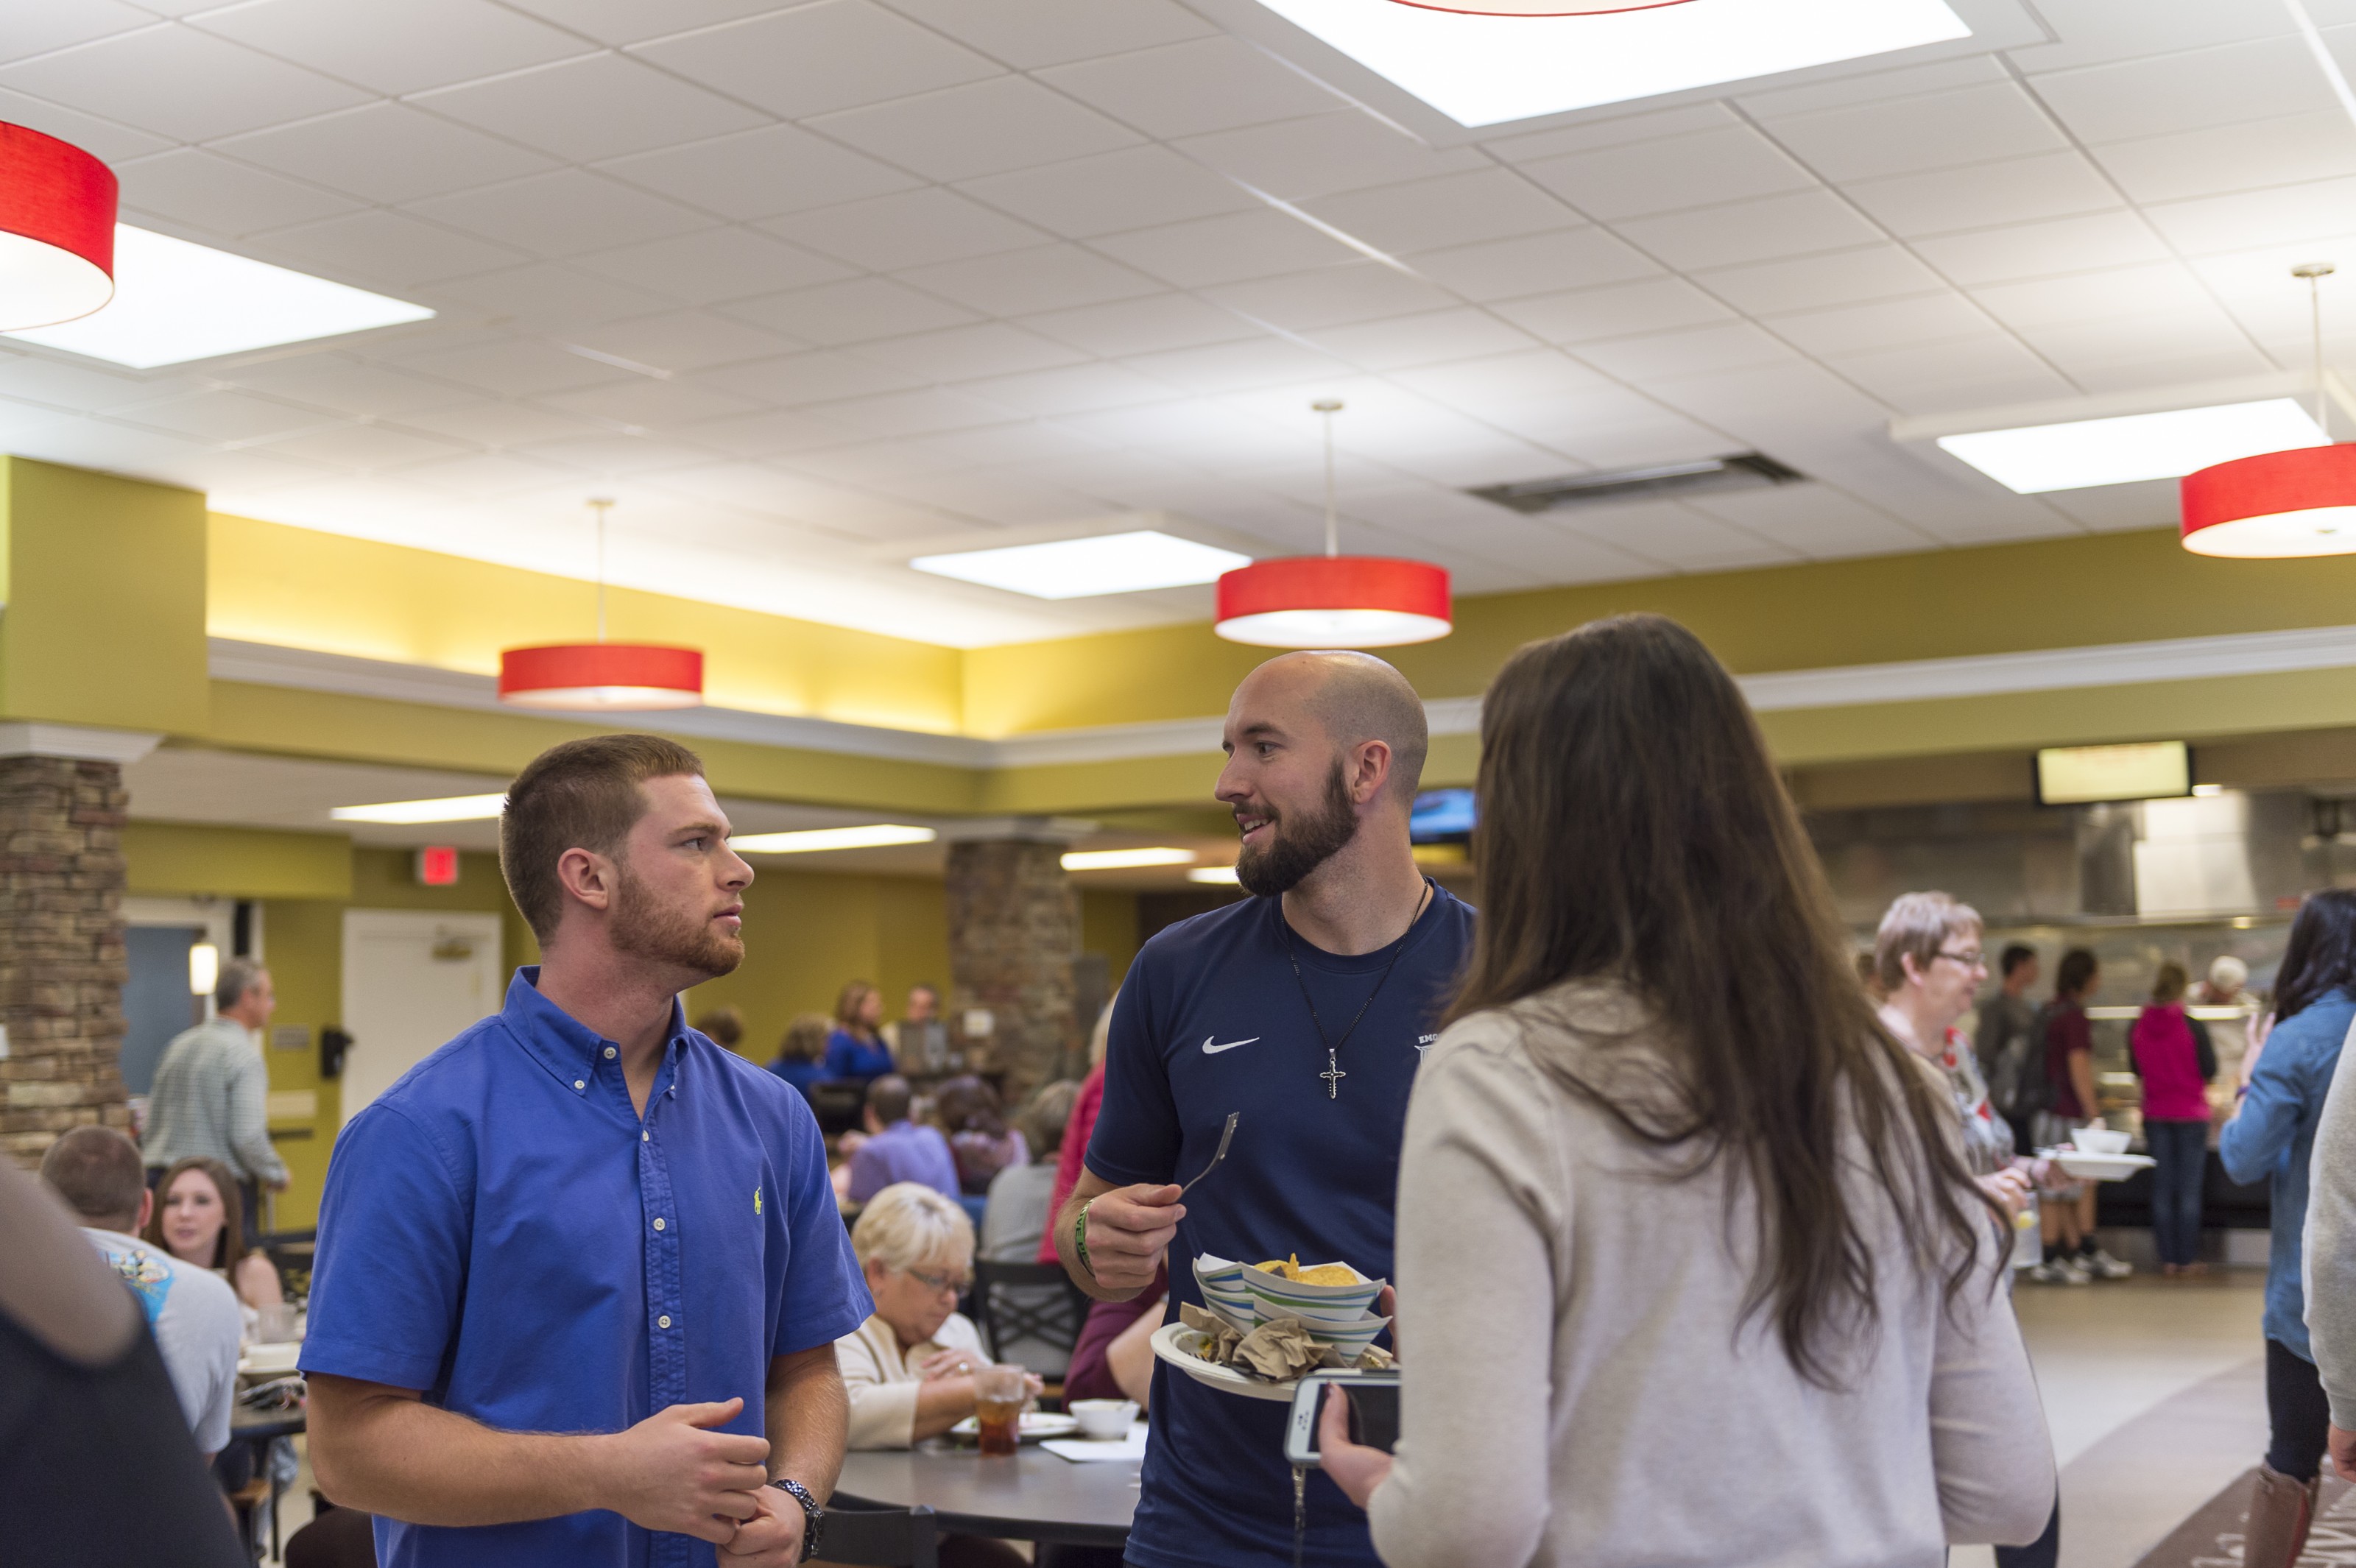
(1333, 1046)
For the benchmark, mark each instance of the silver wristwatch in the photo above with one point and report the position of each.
(813, 1516)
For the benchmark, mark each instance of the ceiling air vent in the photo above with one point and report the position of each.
(1744, 471)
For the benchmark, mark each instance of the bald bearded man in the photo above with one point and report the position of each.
(1307, 1008)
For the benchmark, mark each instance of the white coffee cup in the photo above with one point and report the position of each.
(1104, 1419)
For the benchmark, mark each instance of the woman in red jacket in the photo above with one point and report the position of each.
(2175, 1060)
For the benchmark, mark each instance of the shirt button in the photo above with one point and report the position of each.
(581, 1082)
(610, 1052)
(663, 1321)
(645, 1138)
(657, 1224)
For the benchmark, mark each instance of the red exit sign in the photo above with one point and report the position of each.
(437, 866)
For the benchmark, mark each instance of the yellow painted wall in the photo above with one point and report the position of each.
(300, 588)
(168, 860)
(1109, 925)
(103, 580)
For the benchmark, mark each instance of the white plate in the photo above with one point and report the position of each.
(2102, 1167)
(1036, 1424)
(1168, 1344)
(269, 1360)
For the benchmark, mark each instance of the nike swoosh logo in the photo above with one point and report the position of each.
(1210, 1049)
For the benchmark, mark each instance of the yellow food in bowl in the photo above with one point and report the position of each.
(1321, 1274)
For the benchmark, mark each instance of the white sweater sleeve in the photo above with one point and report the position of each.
(1990, 1448)
(1480, 1198)
(2330, 1246)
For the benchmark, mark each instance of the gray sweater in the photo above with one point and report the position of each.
(1578, 1386)
(2329, 1246)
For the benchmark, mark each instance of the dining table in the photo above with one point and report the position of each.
(1030, 1495)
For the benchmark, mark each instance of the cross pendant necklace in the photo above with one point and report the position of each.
(1333, 1076)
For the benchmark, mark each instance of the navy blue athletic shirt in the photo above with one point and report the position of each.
(1211, 1020)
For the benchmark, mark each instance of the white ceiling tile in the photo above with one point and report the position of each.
(211, 193)
(2147, 290)
(600, 106)
(1450, 210)
(178, 82)
(1051, 32)
(1033, 444)
(1764, 403)
(1985, 195)
(541, 296)
(1002, 500)
(1875, 271)
(36, 27)
(1534, 264)
(1300, 160)
(1998, 120)
(114, 447)
(1142, 325)
(1133, 189)
(1331, 296)
(495, 423)
(383, 249)
(714, 265)
(1845, 89)
(345, 385)
(759, 173)
(1882, 323)
(1813, 520)
(648, 404)
(913, 229)
(1617, 131)
(795, 380)
(2185, 91)
(483, 474)
(1503, 382)
(916, 412)
(1978, 373)
(969, 353)
(2226, 158)
(1724, 164)
(1620, 310)
(222, 416)
(2202, 334)
(850, 312)
(1752, 231)
(1018, 283)
(385, 152)
(812, 60)
(1603, 444)
(981, 128)
(101, 138)
(515, 368)
(1409, 340)
(42, 376)
(609, 453)
(2112, 508)
(2089, 32)
(769, 434)
(418, 44)
(1207, 251)
(1694, 351)
(1672, 536)
(1189, 89)
(1071, 390)
(361, 446)
(634, 21)
(2245, 219)
(2044, 250)
(1238, 367)
(561, 213)
(684, 340)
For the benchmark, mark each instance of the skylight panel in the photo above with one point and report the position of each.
(2030, 459)
(1084, 567)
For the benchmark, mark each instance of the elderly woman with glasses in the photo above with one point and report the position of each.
(909, 1368)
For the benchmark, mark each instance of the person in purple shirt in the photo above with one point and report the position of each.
(897, 1149)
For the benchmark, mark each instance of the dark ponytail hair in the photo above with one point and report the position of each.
(2320, 957)
(2078, 969)
(1633, 829)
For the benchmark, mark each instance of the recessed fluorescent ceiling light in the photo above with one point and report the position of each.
(1123, 859)
(1217, 876)
(1077, 569)
(2084, 453)
(870, 836)
(451, 808)
(175, 302)
(1484, 70)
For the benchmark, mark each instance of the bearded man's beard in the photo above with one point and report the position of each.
(1294, 848)
(643, 928)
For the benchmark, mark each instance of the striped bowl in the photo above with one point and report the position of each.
(1352, 1338)
(1322, 1306)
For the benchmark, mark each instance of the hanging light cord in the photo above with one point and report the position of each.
(601, 507)
(1329, 408)
(2315, 272)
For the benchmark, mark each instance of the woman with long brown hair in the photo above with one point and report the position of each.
(856, 1050)
(198, 1220)
(1670, 1192)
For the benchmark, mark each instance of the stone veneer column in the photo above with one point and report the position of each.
(61, 948)
(1014, 928)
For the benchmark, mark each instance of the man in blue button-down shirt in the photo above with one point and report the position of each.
(583, 1218)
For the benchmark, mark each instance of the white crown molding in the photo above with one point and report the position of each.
(75, 742)
(1914, 680)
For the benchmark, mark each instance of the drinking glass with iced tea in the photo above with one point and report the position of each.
(999, 1396)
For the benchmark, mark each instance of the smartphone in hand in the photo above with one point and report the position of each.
(1374, 1412)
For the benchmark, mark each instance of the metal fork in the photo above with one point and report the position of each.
(1226, 1136)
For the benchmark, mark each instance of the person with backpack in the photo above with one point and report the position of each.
(2001, 1042)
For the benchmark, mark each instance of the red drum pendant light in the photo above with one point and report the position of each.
(56, 230)
(2278, 504)
(1538, 7)
(601, 676)
(1333, 601)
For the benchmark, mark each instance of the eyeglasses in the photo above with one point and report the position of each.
(940, 1284)
(1974, 959)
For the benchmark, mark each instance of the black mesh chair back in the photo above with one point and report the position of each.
(838, 1106)
(881, 1538)
(1028, 1305)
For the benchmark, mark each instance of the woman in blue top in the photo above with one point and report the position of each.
(801, 1055)
(855, 1051)
(2284, 1078)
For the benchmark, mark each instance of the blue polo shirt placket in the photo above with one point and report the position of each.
(485, 1239)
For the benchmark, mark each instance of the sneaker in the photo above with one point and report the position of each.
(2058, 1271)
(2100, 1264)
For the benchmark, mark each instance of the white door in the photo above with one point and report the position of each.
(412, 981)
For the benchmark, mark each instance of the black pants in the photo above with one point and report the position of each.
(2042, 1552)
(2299, 1412)
(2182, 1151)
